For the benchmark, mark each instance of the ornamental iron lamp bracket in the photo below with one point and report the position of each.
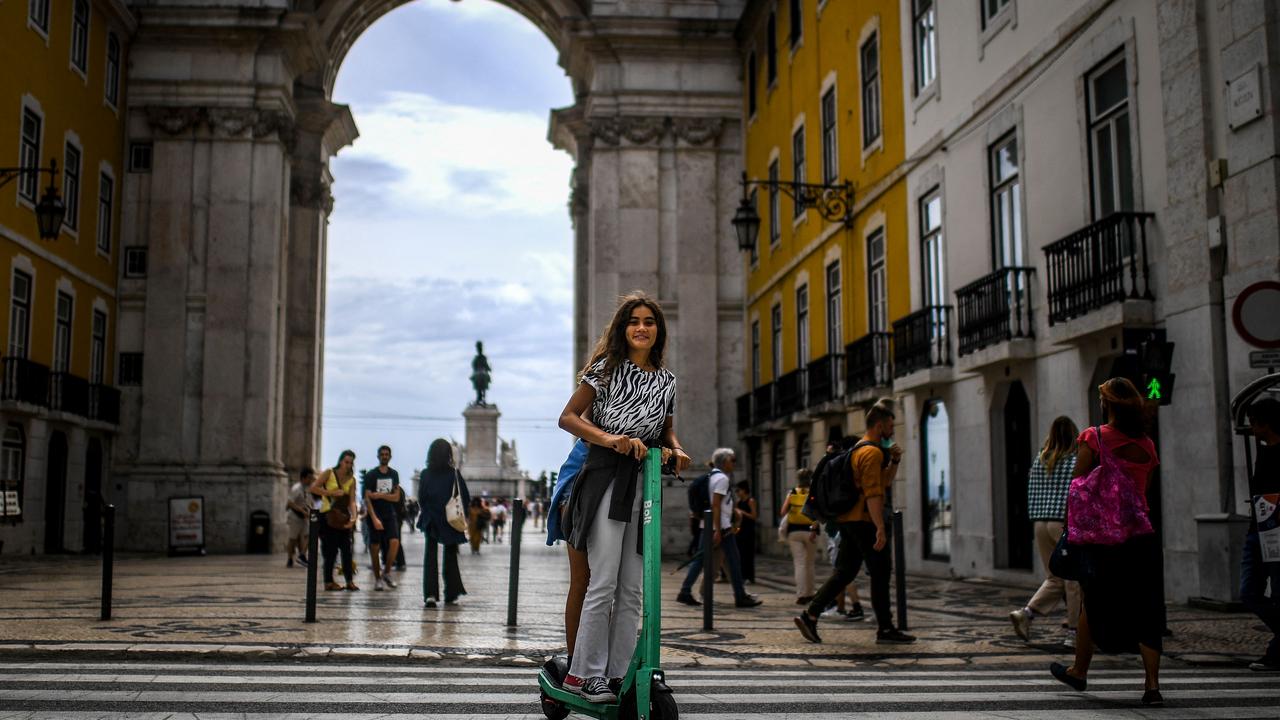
(50, 210)
(833, 202)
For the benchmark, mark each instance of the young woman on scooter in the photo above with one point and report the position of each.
(632, 401)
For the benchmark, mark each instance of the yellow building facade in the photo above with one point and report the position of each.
(63, 94)
(822, 104)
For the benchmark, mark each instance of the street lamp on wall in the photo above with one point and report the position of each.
(50, 210)
(833, 202)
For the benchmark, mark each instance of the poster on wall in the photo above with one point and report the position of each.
(9, 503)
(186, 525)
(1264, 511)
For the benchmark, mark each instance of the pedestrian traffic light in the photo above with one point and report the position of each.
(1156, 357)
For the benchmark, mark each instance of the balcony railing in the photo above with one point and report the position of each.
(870, 362)
(68, 393)
(995, 309)
(762, 404)
(789, 394)
(25, 381)
(104, 403)
(1101, 264)
(922, 340)
(824, 378)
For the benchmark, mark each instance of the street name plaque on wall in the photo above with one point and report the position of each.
(1256, 315)
(186, 525)
(1244, 99)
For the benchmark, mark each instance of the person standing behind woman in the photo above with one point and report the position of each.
(475, 523)
(1123, 599)
(336, 488)
(1050, 478)
(802, 535)
(435, 491)
(747, 512)
(632, 401)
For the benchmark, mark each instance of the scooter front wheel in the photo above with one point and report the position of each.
(552, 708)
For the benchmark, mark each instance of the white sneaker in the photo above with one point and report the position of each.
(388, 581)
(377, 584)
(1069, 639)
(1021, 620)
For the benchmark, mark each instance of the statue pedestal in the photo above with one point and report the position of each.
(480, 466)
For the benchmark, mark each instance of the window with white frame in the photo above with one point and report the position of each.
(991, 9)
(1110, 146)
(755, 354)
(62, 333)
(877, 292)
(1006, 201)
(29, 154)
(775, 206)
(835, 311)
(797, 26)
(38, 14)
(751, 84)
(106, 199)
(71, 186)
(20, 315)
(797, 169)
(830, 154)
(12, 458)
(754, 198)
(80, 35)
(135, 262)
(771, 49)
(934, 268)
(869, 55)
(802, 327)
(98, 348)
(775, 319)
(924, 23)
(112, 89)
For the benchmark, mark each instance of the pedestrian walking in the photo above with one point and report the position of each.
(1123, 601)
(1256, 571)
(440, 482)
(382, 494)
(579, 570)
(632, 401)
(476, 512)
(336, 488)
(296, 516)
(483, 519)
(498, 519)
(863, 536)
(747, 512)
(800, 533)
(722, 536)
(1047, 486)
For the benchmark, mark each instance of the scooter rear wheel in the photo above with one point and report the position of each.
(662, 706)
(552, 708)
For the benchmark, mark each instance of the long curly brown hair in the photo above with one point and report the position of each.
(1122, 402)
(612, 345)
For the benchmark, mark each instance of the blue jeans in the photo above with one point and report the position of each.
(729, 543)
(1254, 575)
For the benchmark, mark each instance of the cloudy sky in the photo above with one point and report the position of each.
(449, 226)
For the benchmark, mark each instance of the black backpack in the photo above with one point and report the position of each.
(699, 492)
(834, 490)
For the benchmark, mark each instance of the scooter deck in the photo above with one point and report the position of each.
(577, 703)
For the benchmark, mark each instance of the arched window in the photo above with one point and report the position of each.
(937, 484)
(12, 459)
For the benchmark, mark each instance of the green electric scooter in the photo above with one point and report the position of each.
(644, 694)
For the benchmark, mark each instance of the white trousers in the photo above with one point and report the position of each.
(611, 609)
(802, 559)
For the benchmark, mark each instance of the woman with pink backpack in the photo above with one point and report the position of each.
(1116, 555)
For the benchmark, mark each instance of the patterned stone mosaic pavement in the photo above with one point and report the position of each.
(251, 605)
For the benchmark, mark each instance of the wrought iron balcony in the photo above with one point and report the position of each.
(68, 393)
(762, 404)
(104, 403)
(995, 308)
(870, 362)
(1101, 264)
(824, 378)
(922, 340)
(25, 381)
(789, 395)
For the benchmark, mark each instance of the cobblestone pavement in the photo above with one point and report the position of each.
(251, 605)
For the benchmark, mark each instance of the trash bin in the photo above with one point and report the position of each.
(260, 532)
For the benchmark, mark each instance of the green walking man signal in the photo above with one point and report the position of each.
(1153, 389)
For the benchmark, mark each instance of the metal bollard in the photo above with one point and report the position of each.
(900, 569)
(513, 584)
(313, 560)
(108, 557)
(708, 571)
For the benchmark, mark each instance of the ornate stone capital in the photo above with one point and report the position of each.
(173, 120)
(698, 130)
(233, 122)
(310, 193)
(230, 122)
(637, 130)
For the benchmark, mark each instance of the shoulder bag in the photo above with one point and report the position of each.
(1105, 506)
(454, 513)
(339, 515)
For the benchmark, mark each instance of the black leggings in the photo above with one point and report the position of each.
(431, 572)
(333, 541)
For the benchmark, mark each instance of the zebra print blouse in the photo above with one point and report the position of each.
(633, 402)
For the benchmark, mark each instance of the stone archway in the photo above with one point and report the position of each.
(236, 102)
